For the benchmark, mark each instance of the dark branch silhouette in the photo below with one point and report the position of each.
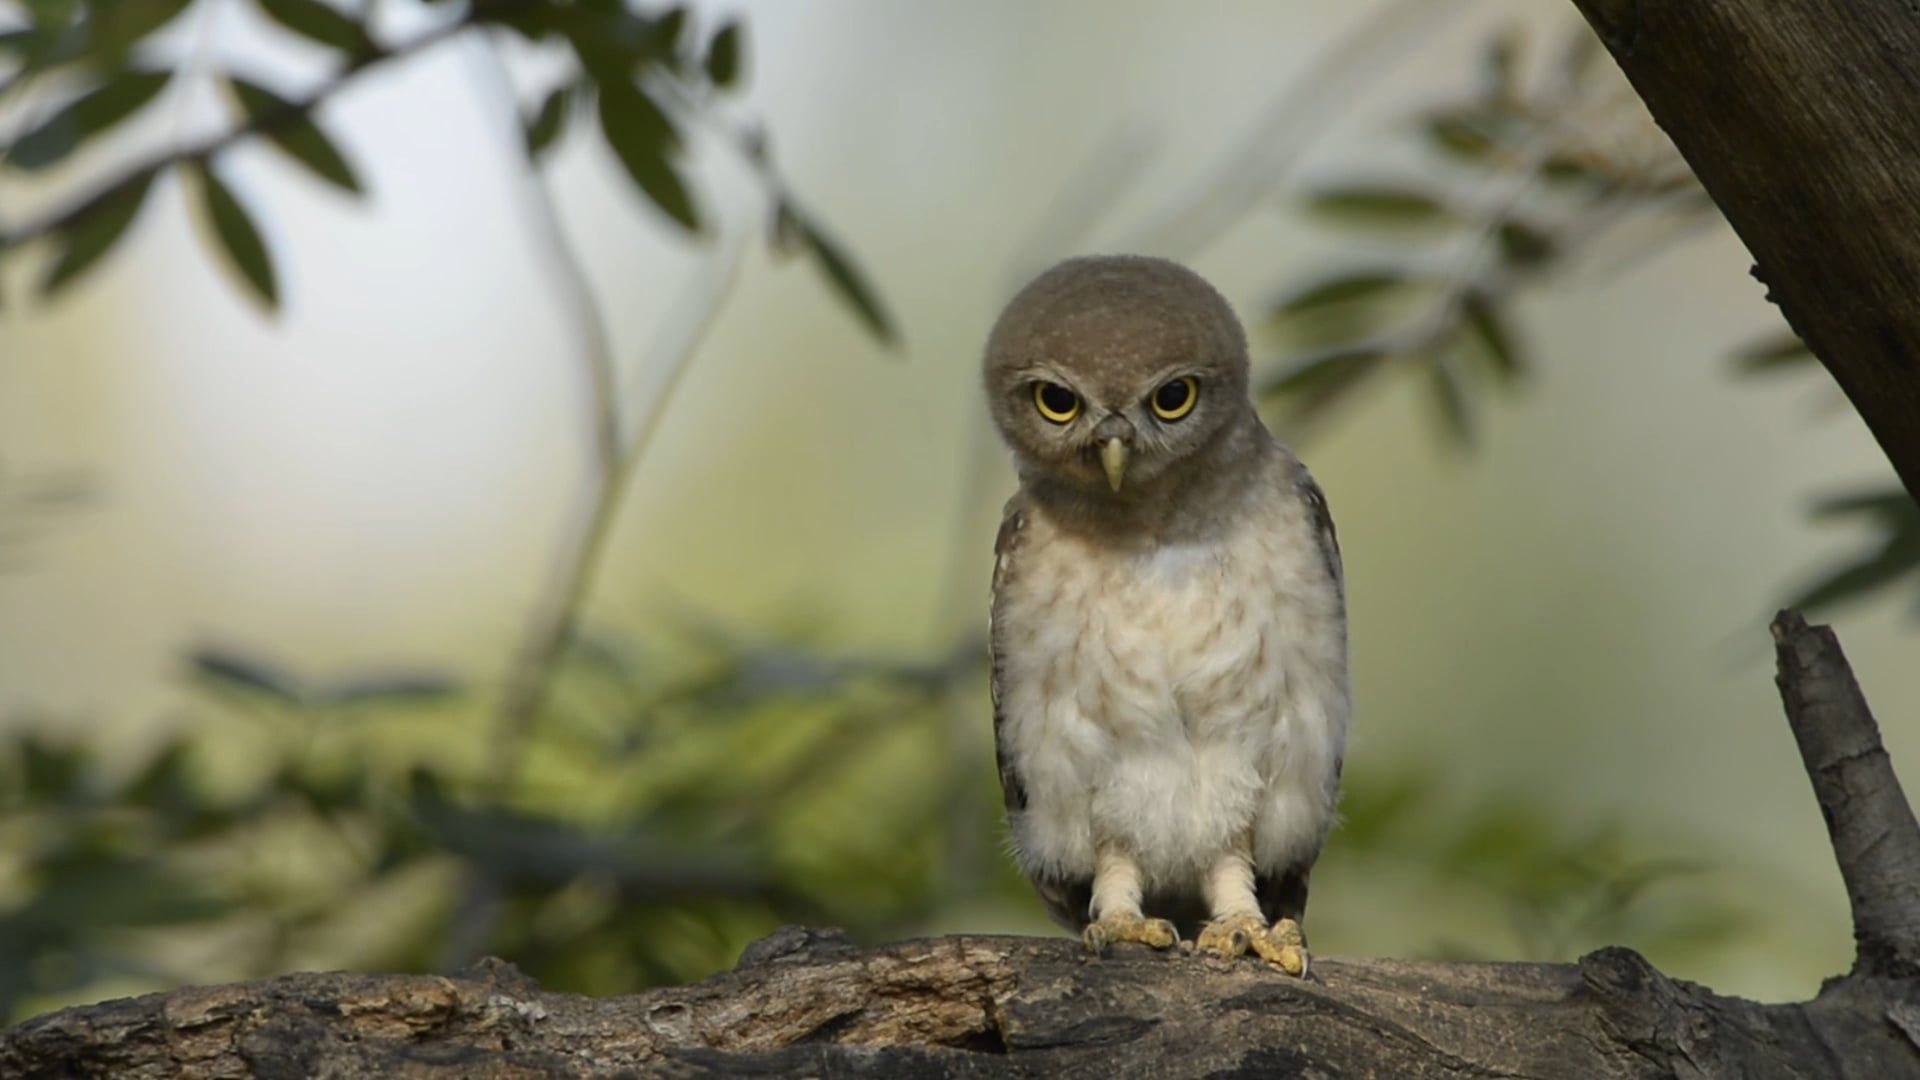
(1798, 120)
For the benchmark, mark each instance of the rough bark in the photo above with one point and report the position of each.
(1868, 818)
(1798, 117)
(811, 1003)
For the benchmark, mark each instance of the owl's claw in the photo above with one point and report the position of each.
(1118, 927)
(1281, 945)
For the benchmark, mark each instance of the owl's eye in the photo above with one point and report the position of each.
(1056, 402)
(1176, 399)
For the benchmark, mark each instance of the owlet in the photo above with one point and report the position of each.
(1168, 623)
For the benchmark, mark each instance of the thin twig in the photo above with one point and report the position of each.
(588, 319)
(556, 620)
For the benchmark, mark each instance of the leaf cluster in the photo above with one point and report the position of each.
(1564, 890)
(638, 78)
(1511, 192)
(665, 818)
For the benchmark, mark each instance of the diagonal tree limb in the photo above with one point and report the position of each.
(1875, 838)
(1798, 118)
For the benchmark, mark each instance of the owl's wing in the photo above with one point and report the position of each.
(1005, 545)
(1065, 899)
(1283, 895)
(1316, 501)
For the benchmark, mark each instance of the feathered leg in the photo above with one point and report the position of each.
(1116, 906)
(1238, 923)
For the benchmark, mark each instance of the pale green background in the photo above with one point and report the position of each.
(1574, 612)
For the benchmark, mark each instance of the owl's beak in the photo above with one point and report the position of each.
(1113, 458)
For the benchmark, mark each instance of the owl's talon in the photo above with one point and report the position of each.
(1282, 945)
(1230, 935)
(1116, 928)
(1292, 953)
(1288, 932)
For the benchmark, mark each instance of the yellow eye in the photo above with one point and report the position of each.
(1176, 399)
(1056, 402)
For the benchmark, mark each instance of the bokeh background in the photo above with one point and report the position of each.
(270, 574)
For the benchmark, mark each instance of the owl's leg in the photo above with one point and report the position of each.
(1116, 906)
(1237, 924)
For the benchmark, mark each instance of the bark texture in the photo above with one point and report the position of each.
(1867, 814)
(983, 1006)
(810, 1003)
(1799, 118)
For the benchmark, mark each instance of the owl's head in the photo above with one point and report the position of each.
(1107, 373)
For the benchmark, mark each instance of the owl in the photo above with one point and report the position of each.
(1168, 623)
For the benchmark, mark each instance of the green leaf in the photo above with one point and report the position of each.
(95, 227)
(1341, 289)
(322, 23)
(1471, 133)
(1488, 327)
(1777, 353)
(116, 27)
(544, 129)
(1897, 558)
(87, 116)
(1522, 245)
(239, 238)
(723, 56)
(1894, 507)
(51, 771)
(298, 136)
(643, 138)
(1319, 382)
(1381, 205)
(612, 43)
(398, 688)
(845, 278)
(664, 33)
(225, 667)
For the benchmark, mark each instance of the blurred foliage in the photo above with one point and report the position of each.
(1895, 556)
(1519, 183)
(663, 820)
(641, 78)
(674, 805)
(1563, 890)
(1539, 172)
(1889, 513)
(668, 805)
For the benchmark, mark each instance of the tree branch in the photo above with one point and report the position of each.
(808, 1003)
(1798, 119)
(1875, 838)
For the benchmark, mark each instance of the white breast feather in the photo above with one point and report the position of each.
(1171, 700)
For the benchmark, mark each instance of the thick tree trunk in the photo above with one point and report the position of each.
(1802, 118)
(812, 1004)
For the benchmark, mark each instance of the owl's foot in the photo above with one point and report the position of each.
(1292, 940)
(1119, 926)
(1281, 945)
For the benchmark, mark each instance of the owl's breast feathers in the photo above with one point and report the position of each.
(1172, 696)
